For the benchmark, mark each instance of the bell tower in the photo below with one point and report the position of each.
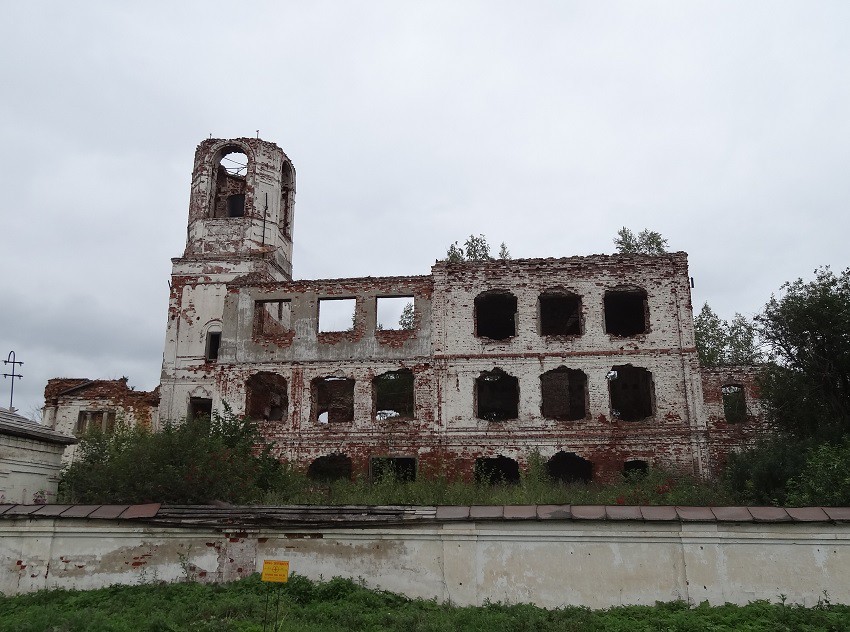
(240, 224)
(241, 206)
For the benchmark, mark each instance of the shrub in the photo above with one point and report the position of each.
(825, 479)
(222, 457)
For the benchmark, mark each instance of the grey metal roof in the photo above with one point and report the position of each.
(18, 426)
(321, 516)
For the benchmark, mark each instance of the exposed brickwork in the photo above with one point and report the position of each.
(470, 320)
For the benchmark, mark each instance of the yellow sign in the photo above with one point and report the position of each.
(275, 571)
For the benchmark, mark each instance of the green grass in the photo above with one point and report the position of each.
(535, 488)
(345, 606)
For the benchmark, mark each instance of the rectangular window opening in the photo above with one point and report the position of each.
(631, 392)
(497, 396)
(495, 315)
(402, 469)
(272, 318)
(213, 343)
(87, 420)
(333, 400)
(560, 315)
(394, 312)
(200, 407)
(393, 393)
(564, 394)
(626, 312)
(336, 314)
(734, 403)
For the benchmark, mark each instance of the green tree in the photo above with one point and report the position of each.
(825, 478)
(806, 389)
(474, 249)
(721, 342)
(710, 336)
(646, 242)
(406, 321)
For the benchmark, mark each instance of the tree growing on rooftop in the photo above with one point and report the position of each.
(474, 249)
(646, 242)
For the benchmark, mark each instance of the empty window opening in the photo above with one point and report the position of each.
(635, 468)
(266, 397)
(200, 407)
(734, 403)
(626, 312)
(235, 163)
(236, 205)
(287, 188)
(631, 392)
(495, 315)
(496, 470)
(336, 314)
(94, 420)
(560, 314)
(331, 467)
(402, 469)
(563, 394)
(272, 318)
(213, 343)
(230, 185)
(394, 313)
(568, 467)
(497, 396)
(393, 392)
(333, 400)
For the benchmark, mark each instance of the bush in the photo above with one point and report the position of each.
(760, 475)
(825, 479)
(200, 460)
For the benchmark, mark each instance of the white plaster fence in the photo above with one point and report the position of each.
(551, 563)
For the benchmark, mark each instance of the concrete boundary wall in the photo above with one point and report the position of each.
(553, 563)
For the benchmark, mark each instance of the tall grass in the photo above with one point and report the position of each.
(345, 606)
(654, 487)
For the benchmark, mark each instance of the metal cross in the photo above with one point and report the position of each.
(11, 360)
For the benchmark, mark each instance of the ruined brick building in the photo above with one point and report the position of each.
(589, 361)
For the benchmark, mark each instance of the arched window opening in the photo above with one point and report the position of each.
(631, 392)
(495, 315)
(393, 393)
(626, 312)
(496, 396)
(563, 394)
(568, 467)
(287, 190)
(332, 400)
(734, 403)
(212, 345)
(560, 314)
(230, 184)
(496, 470)
(635, 468)
(266, 397)
(331, 467)
(401, 469)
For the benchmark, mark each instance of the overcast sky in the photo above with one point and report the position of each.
(549, 125)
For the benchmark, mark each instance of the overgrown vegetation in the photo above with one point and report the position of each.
(805, 396)
(202, 459)
(343, 605)
(535, 487)
(474, 249)
(646, 242)
(720, 342)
